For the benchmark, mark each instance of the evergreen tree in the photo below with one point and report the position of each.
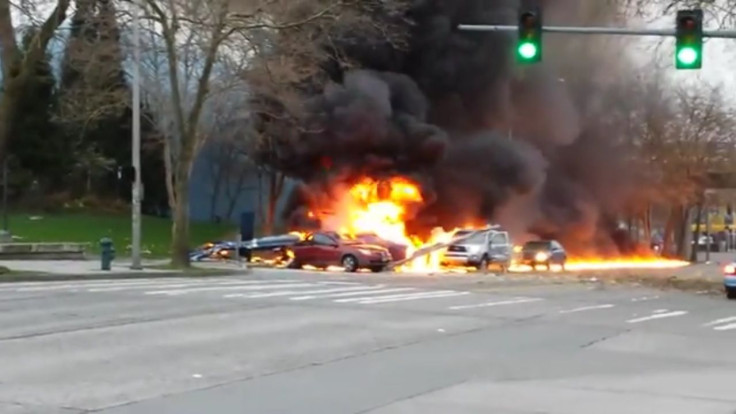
(42, 155)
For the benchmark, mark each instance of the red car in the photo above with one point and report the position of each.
(327, 249)
(397, 250)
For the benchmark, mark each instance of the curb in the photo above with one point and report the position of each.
(51, 277)
(703, 285)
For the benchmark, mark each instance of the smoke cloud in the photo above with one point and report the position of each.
(484, 142)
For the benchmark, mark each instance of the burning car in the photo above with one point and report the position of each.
(729, 280)
(397, 250)
(543, 252)
(479, 249)
(324, 249)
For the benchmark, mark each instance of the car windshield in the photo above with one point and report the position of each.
(537, 245)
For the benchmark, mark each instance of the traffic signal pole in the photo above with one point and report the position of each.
(721, 34)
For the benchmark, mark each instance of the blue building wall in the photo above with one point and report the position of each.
(202, 186)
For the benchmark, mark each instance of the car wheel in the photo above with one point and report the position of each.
(294, 265)
(548, 266)
(350, 263)
(377, 269)
(562, 264)
(483, 265)
(731, 293)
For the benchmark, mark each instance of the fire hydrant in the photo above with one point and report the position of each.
(107, 253)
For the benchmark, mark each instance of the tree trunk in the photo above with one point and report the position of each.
(180, 213)
(696, 233)
(215, 195)
(669, 230)
(647, 224)
(180, 227)
(8, 110)
(275, 186)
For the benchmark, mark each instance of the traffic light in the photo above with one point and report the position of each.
(689, 39)
(529, 44)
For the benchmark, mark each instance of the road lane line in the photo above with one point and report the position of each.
(645, 298)
(720, 321)
(587, 308)
(499, 303)
(725, 327)
(361, 293)
(657, 316)
(389, 296)
(164, 286)
(418, 296)
(67, 286)
(301, 292)
(175, 292)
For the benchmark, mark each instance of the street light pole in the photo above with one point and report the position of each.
(136, 144)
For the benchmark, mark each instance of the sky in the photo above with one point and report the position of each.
(719, 55)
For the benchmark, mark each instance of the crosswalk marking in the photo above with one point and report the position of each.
(176, 292)
(587, 308)
(365, 291)
(720, 321)
(498, 303)
(169, 286)
(657, 316)
(413, 297)
(402, 295)
(63, 286)
(295, 292)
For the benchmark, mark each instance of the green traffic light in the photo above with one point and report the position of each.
(687, 56)
(528, 50)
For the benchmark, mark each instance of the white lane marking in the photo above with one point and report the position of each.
(174, 292)
(720, 321)
(587, 308)
(499, 303)
(57, 286)
(361, 293)
(402, 295)
(416, 296)
(18, 285)
(339, 283)
(164, 286)
(725, 327)
(300, 292)
(657, 316)
(644, 298)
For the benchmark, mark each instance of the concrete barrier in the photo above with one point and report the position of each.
(43, 251)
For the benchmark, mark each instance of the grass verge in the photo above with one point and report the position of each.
(91, 227)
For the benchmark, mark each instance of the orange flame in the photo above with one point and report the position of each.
(383, 207)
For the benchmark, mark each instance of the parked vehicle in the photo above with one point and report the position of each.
(729, 280)
(480, 249)
(325, 249)
(543, 252)
(397, 250)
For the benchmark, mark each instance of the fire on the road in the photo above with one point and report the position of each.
(382, 208)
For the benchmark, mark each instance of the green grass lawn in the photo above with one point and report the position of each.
(91, 227)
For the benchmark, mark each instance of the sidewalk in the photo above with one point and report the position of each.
(91, 269)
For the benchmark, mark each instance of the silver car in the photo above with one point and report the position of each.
(479, 249)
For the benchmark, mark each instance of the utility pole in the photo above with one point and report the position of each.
(136, 144)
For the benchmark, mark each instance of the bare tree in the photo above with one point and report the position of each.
(195, 45)
(18, 64)
(93, 85)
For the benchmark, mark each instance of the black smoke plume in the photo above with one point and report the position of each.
(484, 142)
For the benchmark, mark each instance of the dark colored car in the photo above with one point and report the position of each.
(327, 249)
(543, 252)
(729, 280)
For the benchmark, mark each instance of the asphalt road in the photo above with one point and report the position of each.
(299, 342)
